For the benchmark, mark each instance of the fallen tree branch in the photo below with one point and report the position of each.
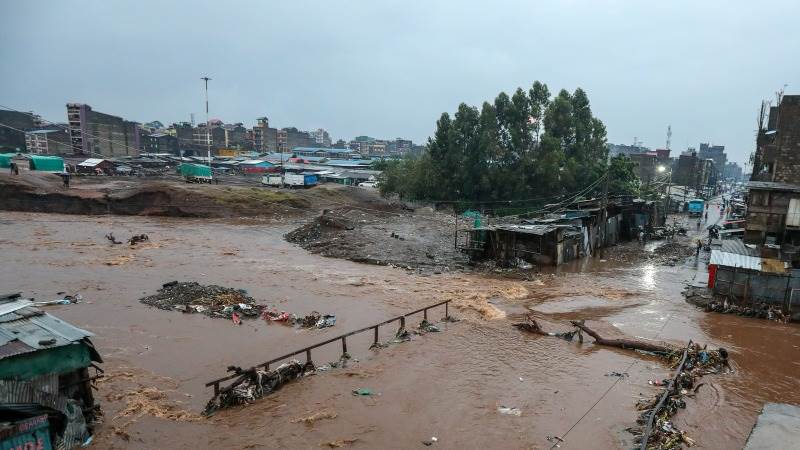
(532, 326)
(627, 344)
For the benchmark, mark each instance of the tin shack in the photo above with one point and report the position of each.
(45, 384)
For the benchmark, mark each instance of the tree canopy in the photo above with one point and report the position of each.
(527, 145)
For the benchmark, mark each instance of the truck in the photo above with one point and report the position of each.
(696, 207)
(195, 173)
(291, 180)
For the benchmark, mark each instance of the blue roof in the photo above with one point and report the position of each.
(349, 162)
(310, 149)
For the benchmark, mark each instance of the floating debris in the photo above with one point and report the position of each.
(211, 300)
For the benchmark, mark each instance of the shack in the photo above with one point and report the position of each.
(45, 383)
(510, 244)
(46, 163)
(95, 166)
(740, 273)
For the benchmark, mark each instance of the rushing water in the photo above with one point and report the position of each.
(448, 385)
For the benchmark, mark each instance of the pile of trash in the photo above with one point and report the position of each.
(212, 300)
(313, 320)
(661, 408)
(761, 311)
(252, 385)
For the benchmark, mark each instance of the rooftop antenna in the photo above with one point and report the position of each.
(669, 136)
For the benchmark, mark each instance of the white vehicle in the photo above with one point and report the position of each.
(368, 184)
(272, 180)
(290, 180)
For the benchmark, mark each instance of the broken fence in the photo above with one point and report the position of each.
(307, 350)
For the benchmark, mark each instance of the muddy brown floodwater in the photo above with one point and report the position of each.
(448, 385)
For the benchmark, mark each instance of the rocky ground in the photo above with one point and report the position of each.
(419, 240)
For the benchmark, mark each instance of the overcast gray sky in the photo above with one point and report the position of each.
(389, 68)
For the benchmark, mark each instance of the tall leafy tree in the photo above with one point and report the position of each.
(524, 146)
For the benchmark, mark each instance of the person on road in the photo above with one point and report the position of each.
(698, 224)
(699, 246)
(706, 216)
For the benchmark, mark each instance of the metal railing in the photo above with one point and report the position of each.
(343, 338)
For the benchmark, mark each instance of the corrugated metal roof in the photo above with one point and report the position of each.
(525, 229)
(728, 259)
(28, 329)
(10, 307)
(737, 246)
(91, 162)
(773, 186)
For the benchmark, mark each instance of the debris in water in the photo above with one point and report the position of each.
(363, 391)
(617, 374)
(509, 411)
(319, 415)
(253, 384)
(340, 443)
(212, 300)
(136, 238)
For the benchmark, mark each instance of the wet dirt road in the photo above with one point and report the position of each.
(447, 385)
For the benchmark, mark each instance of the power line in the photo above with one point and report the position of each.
(609, 388)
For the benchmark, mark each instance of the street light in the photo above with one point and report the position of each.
(208, 126)
(662, 169)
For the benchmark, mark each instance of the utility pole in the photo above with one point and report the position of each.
(455, 227)
(208, 126)
(604, 211)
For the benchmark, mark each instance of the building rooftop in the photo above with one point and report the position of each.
(25, 329)
(773, 186)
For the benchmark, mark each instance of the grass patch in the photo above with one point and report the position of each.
(256, 197)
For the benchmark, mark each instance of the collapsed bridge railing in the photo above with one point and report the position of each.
(307, 350)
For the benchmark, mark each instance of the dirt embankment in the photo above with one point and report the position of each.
(42, 192)
(396, 236)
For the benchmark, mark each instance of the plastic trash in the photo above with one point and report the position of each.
(362, 391)
(236, 319)
(509, 411)
(328, 320)
(703, 356)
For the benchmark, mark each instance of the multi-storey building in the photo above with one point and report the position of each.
(321, 137)
(773, 201)
(97, 134)
(49, 141)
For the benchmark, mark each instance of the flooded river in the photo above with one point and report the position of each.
(448, 385)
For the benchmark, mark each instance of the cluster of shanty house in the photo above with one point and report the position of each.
(568, 235)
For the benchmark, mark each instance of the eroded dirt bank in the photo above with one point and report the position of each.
(43, 192)
(447, 384)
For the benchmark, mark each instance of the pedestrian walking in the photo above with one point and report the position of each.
(698, 224)
(706, 216)
(699, 246)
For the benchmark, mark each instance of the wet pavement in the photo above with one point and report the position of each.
(448, 385)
